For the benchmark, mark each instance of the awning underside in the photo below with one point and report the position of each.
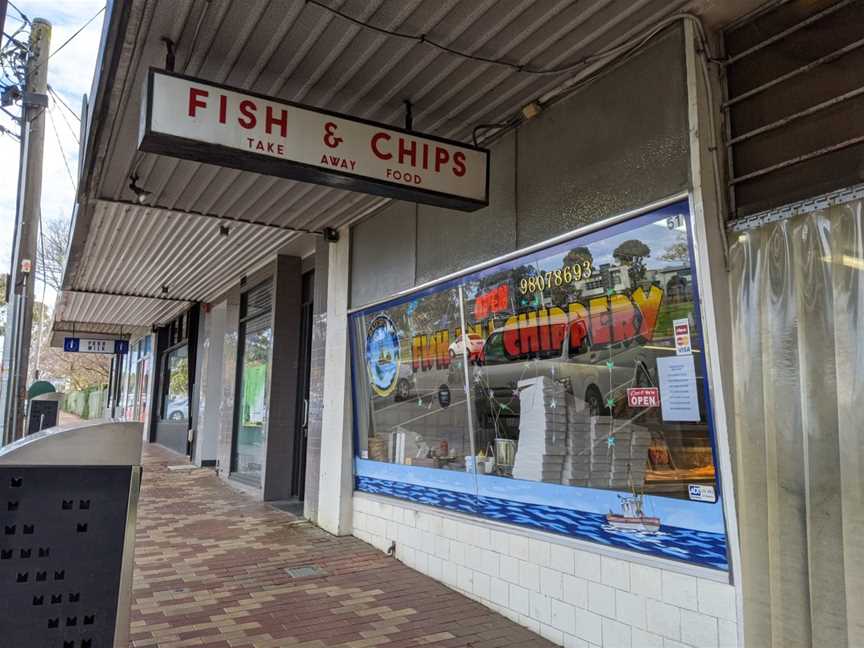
(304, 53)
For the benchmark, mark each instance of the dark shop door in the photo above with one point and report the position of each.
(298, 482)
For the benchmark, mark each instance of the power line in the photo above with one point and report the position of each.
(80, 29)
(63, 116)
(518, 67)
(20, 13)
(57, 96)
(63, 152)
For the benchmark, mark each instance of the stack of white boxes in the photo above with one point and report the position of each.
(592, 461)
(542, 430)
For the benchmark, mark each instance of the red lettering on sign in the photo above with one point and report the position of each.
(511, 337)
(377, 137)
(223, 108)
(247, 109)
(442, 156)
(643, 397)
(459, 164)
(330, 138)
(194, 101)
(494, 301)
(407, 151)
(271, 121)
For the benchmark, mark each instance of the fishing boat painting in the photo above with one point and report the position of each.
(632, 516)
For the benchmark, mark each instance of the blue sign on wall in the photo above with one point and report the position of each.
(89, 345)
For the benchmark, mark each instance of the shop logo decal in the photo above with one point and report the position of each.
(382, 355)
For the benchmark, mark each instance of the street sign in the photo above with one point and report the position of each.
(198, 120)
(643, 397)
(91, 345)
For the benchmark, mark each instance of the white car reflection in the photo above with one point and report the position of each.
(475, 346)
(593, 374)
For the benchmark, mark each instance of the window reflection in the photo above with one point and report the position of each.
(176, 404)
(411, 393)
(584, 369)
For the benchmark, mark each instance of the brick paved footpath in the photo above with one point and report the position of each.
(211, 570)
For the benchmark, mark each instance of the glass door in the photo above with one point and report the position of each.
(256, 341)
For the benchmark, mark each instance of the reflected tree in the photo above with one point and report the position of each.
(632, 255)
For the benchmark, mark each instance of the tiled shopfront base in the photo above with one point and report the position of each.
(574, 597)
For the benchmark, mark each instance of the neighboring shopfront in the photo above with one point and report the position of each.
(137, 380)
(175, 360)
(253, 370)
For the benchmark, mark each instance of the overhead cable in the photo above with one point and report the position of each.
(57, 96)
(80, 29)
(63, 152)
(518, 67)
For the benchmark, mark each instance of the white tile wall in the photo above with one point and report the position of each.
(573, 597)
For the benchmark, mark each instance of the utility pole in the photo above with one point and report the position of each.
(21, 302)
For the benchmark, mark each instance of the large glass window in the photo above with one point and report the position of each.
(550, 379)
(412, 383)
(175, 405)
(256, 340)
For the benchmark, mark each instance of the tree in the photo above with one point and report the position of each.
(632, 254)
(678, 251)
(53, 245)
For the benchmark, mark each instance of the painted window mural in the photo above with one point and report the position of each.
(562, 390)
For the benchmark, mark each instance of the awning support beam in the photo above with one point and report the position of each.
(222, 219)
(112, 293)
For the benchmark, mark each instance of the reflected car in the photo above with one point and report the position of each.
(585, 370)
(176, 408)
(475, 346)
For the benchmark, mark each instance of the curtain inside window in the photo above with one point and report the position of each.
(798, 300)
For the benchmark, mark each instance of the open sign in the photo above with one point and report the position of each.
(643, 397)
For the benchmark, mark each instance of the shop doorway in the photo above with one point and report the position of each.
(298, 472)
(255, 342)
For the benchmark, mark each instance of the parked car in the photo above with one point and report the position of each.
(176, 409)
(584, 370)
(475, 346)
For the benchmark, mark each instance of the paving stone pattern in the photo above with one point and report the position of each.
(212, 569)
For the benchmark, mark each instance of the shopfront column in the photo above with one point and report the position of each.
(336, 481)
(282, 397)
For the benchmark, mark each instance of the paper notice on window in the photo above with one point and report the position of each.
(679, 400)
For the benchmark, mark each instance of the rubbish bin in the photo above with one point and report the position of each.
(68, 499)
(43, 411)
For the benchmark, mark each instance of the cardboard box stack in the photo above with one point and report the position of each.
(542, 430)
(591, 461)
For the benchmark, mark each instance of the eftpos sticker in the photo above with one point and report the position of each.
(701, 493)
(681, 329)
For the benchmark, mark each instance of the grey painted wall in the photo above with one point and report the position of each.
(209, 383)
(282, 386)
(383, 253)
(316, 382)
(617, 144)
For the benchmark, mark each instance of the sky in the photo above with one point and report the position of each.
(69, 74)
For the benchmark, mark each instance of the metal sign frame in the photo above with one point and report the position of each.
(189, 148)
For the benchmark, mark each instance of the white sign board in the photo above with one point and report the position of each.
(679, 400)
(193, 119)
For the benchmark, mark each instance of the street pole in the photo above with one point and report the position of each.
(35, 102)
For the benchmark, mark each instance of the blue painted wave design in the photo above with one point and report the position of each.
(699, 547)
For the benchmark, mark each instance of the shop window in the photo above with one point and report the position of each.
(256, 341)
(579, 389)
(175, 404)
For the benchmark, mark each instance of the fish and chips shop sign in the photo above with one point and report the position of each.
(197, 120)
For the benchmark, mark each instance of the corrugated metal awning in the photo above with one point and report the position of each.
(305, 53)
